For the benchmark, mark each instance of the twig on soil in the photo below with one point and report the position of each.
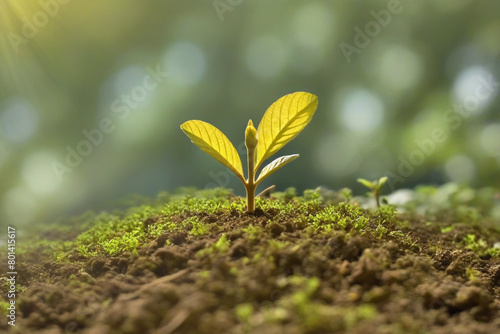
(176, 321)
(267, 190)
(164, 279)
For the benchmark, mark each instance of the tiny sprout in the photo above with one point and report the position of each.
(375, 187)
(347, 193)
(281, 123)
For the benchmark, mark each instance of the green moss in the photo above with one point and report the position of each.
(474, 245)
(276, 245)
(448, 229)
(219, 247)
(287, 195)
(198, 228)
(479, 246)
(244, 311)
(317, 210)
(301, 306)
(342, 216)
(493, 252)
(110, 235)
(253, 233)
(3, 307)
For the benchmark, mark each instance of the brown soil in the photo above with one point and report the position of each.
(358, 283)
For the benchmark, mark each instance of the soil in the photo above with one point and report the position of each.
(284, 278)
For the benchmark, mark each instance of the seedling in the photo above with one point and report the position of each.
(281, 123)
(375, 187)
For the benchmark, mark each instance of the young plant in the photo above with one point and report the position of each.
(281, 123)
(375, 187)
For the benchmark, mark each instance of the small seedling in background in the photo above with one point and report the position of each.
(281, 123)
(375, 187)
(347, 193)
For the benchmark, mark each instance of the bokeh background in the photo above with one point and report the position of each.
(65, 66)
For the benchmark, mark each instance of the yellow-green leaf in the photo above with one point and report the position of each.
(381, 182)
(275, 165)
(366, 183)
(213, 142)
(282, 122)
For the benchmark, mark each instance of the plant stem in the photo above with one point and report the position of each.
(377, 195)
(250, 184)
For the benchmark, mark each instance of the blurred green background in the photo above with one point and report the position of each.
(391, 78)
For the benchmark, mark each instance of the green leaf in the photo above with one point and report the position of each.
(275, 165)
(213, 142)
(381, 182)
(282, 122)
(366, 183)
